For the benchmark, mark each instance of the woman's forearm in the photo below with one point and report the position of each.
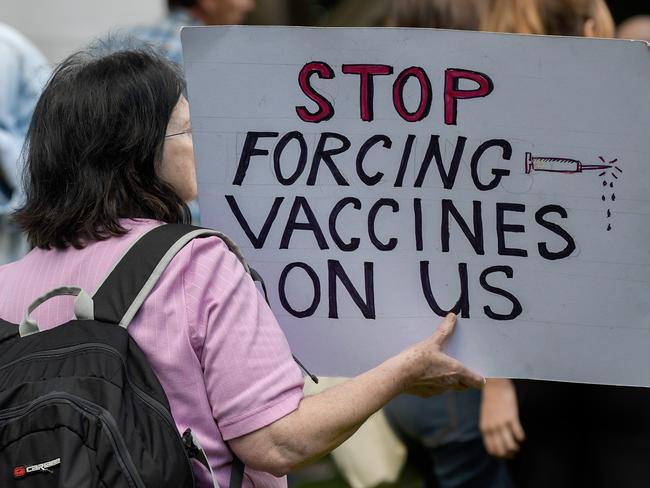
(325, 420)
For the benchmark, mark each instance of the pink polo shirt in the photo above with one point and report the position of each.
(208, 334)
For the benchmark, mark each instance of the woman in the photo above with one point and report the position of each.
(563, 434)
(110, 156)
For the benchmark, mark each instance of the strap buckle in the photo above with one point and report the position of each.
(190, 446)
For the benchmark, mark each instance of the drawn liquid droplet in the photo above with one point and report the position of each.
(604, 183)
(609, 227)
(609, 213)
(613, 197)
(611, 185)
(604, 198)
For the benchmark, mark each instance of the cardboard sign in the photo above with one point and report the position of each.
(378, 178)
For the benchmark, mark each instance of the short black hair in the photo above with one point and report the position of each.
(172, 4)
(94, 146)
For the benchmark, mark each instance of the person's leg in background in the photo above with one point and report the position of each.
(420, 459)
(553, 454)
(619, 433)
(446, 426)
(466, 464)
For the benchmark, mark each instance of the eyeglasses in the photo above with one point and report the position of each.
(188, 131)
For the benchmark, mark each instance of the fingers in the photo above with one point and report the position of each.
(510, 445)
(501, 442)
(471, 379)
(445, 329)
(492, 444)
(518, 430)
(465, 376)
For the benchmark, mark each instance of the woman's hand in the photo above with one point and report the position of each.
(499, 423)
(433, 371)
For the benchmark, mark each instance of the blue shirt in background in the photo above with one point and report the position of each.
(165, 36)
(23, 74)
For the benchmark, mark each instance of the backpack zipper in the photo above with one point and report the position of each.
(145, 397)
(94, 411)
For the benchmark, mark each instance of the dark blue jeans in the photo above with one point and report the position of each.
(444, 440)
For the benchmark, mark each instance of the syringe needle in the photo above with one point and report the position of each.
(594, 166)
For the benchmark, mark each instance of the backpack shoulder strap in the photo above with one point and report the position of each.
(127, 285)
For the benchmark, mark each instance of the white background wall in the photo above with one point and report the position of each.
(59, 27)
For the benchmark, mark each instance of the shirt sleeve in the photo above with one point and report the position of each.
(249, 372)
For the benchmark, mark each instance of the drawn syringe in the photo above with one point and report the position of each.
(559, 165)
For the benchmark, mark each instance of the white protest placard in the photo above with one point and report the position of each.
(378, 178)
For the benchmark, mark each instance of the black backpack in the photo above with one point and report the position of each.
(80, 406)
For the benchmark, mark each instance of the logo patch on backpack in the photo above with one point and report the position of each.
(22, 471)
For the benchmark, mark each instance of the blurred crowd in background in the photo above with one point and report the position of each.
(513, 433)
